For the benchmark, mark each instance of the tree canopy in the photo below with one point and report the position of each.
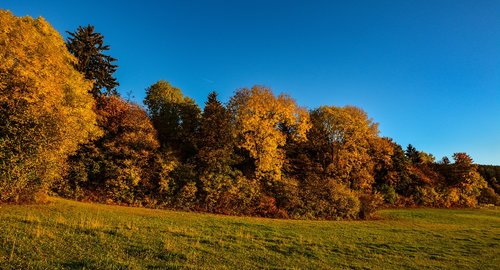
(175, 116)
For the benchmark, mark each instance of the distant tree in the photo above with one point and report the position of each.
(175, 117)
(45, 108)
(445, 161)
(385, 173)
(412, 154)
(382, 151)
(426, 158)
(462, 167)
(88, 47)
(216, 129)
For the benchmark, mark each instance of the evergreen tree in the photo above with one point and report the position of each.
(215, 126)
(412, 154)
(215, 155)
(88, 47)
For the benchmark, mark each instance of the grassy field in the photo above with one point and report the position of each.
(67, 234)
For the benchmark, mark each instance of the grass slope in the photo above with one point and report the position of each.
(67, 234)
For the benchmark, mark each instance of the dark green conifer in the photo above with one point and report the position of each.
(88, 47)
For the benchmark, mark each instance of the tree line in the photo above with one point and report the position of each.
(65, 130)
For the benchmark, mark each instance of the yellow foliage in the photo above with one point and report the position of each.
(344, 136)
(263, 122)
(45, 110)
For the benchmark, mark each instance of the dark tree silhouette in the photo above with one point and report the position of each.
(88, 46)
(412, 154)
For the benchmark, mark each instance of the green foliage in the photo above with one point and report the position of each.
(88, 47)
(215, 156)
(413, 155)
(428, 196)
(389, 194)
(175, 117)
(491, 174)
(45, 110)
(186, 197)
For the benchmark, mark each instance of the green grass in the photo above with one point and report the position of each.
(67, 234)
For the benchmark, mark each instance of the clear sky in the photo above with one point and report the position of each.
(427, 71)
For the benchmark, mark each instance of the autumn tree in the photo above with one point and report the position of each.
(467, 179)
(117, 165)
(260, 120)
(88, 47)
(340, 140)
(175, 117)
(45, 108)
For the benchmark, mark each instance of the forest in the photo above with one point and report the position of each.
(65, 131)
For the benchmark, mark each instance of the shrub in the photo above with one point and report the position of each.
(370, 202)
(389, 194)
(488, 196)
(428, 196)
(328, 199)
(186, 197)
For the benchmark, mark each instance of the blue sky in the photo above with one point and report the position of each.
(427, 71)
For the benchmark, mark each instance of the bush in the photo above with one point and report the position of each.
(328, 199)
(389, 194)
(370, 202)
(451, 197)
(287, 195)
(428, 196)
(186, 198)
(488, 196)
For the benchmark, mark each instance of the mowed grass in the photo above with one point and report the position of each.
(74, 235)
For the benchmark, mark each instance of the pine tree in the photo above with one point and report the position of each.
(412, 154)
(215, 126)
(88, 47)
(215, 155)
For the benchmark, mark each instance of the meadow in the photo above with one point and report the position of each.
(66, 234)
